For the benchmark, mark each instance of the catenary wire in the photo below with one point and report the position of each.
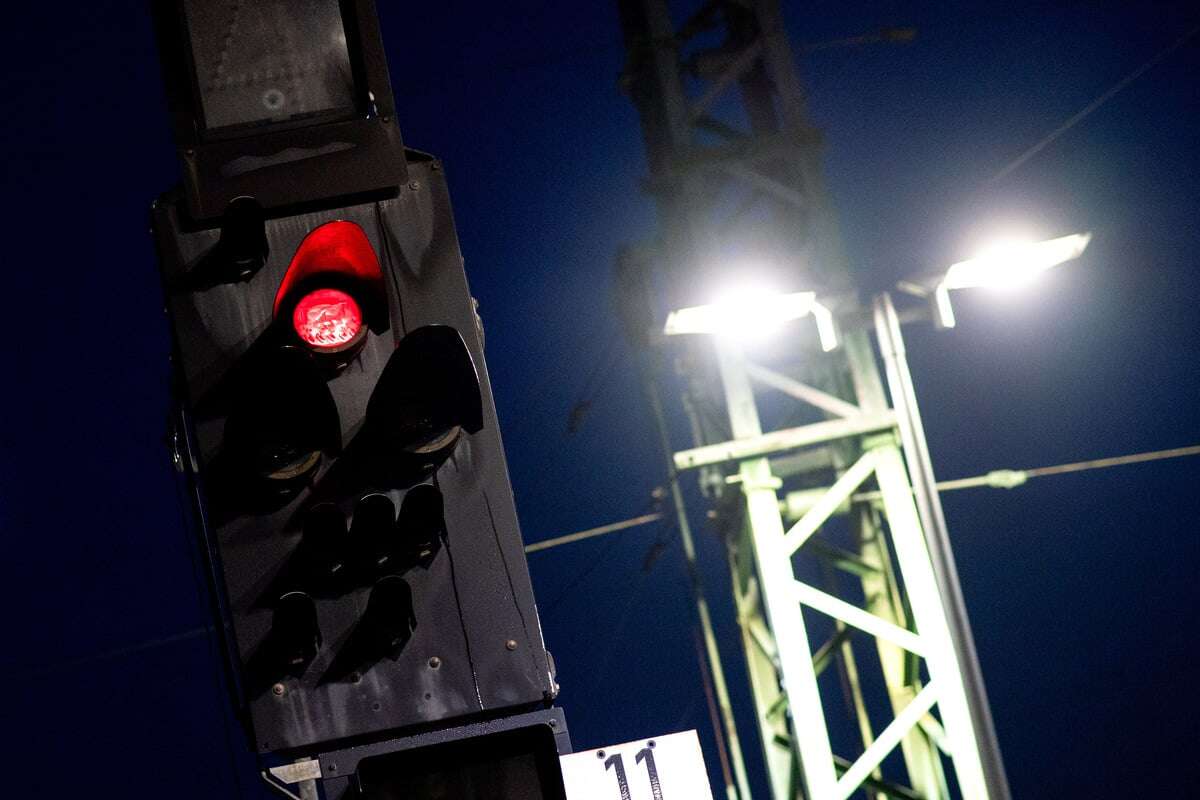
(600, 559)
(1116, 461)
(641, 519)
(1091, 107)
(944, 486)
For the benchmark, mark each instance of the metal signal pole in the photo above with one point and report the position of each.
(734, 168)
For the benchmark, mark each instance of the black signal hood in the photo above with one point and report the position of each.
(281, 418)
(427, 395)
(241, 251)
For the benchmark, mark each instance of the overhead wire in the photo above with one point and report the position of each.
(633, 593)
(604, 554)
(714, 714)
(594, 384)
(1091, 107)
(105, 655)
(993, 479)
(1011, 478)
(607, 645)
(643, 519)
(581, 576)
(600, 530)
(1115, 461)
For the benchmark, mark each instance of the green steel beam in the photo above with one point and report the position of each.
(832, 499)
(810, 739)
(764, 444)
(885, 788)
(887, 741)
(855, 616)
(831, 404)
(901, 590)
(738, 783)
(881, 589)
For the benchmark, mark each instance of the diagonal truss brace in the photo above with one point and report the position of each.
(834, 406)
(781, 594)
(830, 501)
(853, 615)
(736, 69)
(886, 742)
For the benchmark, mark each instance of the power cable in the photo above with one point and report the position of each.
(579, 409)
(1011, 478)
(999, 479)
(635, 590)
(612, 527)
(581, 576)
(714, 714)
(1116, 461)
(608, 648)
(604, 554)
(594, 384)
(1091, 107)
(105, 655)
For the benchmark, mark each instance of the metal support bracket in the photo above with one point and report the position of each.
(786, 439)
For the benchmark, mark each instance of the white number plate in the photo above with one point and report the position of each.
(663, 768)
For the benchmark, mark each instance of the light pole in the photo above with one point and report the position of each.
(1005, 266)
(929, 622)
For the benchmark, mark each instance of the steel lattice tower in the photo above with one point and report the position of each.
(734, 169)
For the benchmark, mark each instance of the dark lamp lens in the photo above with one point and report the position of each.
(328, 320)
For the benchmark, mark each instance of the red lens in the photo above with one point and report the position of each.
(327, 319)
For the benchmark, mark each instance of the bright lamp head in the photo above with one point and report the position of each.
(751, 314)
(1013, 263)
(1006, 265)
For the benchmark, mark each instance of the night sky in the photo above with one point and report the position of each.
(1082, 589)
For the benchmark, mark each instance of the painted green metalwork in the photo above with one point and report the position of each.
(782, 595)
(910, 611)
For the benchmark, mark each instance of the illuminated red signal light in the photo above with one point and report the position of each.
(328, 320)
(332, 292)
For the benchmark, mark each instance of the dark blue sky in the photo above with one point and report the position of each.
(1082, 589)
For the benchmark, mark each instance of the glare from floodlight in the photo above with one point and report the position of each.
(751, 314)
(1012, 264)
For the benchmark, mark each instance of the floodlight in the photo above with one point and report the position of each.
(750, 315)
(1005, 266)
(1010, 264)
